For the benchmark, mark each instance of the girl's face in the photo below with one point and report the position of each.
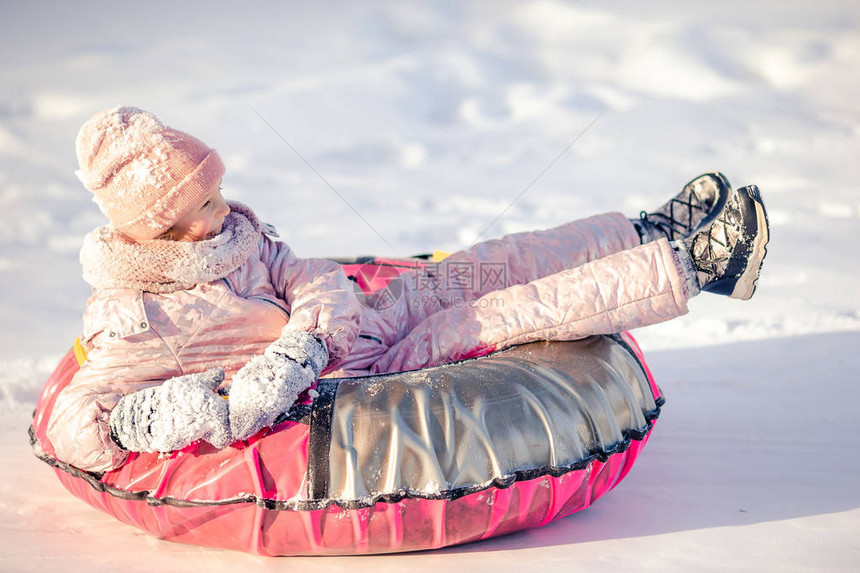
(204, 220)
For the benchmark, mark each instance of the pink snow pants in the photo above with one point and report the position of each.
(583, 278)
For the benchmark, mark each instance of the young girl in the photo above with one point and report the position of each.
(190, 293)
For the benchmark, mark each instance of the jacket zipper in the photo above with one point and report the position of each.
(260, 298)
(273, 303)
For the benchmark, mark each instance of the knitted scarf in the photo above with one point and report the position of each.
(112, 260)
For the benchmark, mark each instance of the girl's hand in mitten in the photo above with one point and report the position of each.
(269, 384)
(170, 416)
(301, 347)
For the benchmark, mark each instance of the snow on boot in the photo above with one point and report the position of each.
(692, 209)
(728, 254)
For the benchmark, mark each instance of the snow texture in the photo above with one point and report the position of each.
(131, 132)
(269, 384)
(171, 415)
(433, 122)
(300, 347)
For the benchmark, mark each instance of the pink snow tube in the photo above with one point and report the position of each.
(397, 462)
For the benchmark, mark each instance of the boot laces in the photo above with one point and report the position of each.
(677, 218)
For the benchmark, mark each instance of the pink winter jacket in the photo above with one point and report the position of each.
(135, 339)
(583, 278)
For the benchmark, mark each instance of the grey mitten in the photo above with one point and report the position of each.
(173, 414)
(268, 384)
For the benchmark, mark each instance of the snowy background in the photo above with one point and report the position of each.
(429, 120)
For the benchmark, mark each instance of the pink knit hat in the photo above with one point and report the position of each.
(144, 175)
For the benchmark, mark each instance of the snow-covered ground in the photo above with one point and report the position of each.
(430, 120)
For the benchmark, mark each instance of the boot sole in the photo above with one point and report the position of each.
(745, 286)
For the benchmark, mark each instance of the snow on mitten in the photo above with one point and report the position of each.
(269, 384)
(301, 346)
(173, 414)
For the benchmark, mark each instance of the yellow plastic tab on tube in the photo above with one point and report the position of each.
(80, 351)
(440, 256)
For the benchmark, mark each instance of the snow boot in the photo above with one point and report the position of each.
(728, 253)
(692, 209)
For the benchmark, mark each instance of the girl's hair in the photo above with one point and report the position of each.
(169, 235)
